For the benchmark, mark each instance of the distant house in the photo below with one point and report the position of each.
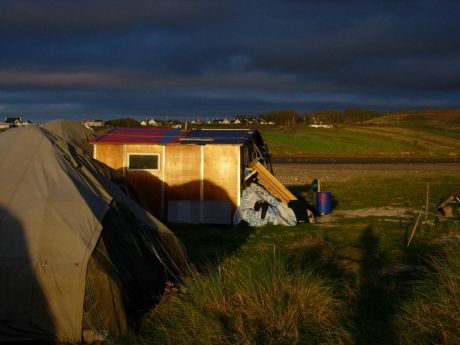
(320, 126)
(153, 123)
(15, 122)
(225, 122)
(150, 123)
(93, 123)
(237, 122)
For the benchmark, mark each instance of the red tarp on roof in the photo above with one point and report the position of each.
(162, 136)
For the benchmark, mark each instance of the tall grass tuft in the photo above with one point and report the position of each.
(433, 315)
(258, 300)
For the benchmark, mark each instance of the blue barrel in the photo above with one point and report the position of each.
(323, 202)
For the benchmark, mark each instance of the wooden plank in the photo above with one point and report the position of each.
(271, 183)
(275, 187)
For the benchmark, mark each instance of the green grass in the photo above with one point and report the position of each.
(381, 191)
(452, 133)
(416, 141)
(251, 285)
(335, 142)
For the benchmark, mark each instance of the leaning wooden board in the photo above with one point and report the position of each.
(275, 187)
(271, 183)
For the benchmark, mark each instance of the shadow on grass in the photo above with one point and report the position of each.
(360, 271)
(379, 295)
(206, 245)
(374, 303)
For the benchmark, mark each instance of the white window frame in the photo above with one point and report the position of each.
(144, 154)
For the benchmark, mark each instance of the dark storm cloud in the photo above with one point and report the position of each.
(227, 55)
(106, 15)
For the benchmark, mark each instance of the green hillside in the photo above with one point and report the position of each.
(422, 139)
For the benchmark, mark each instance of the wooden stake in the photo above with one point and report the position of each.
(413, 230)
(427, 197)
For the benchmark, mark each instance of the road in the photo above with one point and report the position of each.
(302, 173)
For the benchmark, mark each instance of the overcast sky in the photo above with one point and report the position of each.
(213, 58)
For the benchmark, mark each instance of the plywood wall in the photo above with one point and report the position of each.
(112, 155)
(186, 172)
(222, 173)
(147, 184)
(182, 172)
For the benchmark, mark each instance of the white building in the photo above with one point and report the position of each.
(15, 122)
(93, 123)
(153, 123)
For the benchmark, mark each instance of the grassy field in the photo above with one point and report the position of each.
(347, 280)
(433, 134)
(410, 139)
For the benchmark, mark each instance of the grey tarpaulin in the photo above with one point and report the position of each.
(270, 209)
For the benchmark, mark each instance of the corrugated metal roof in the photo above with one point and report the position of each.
(162, 136)
(218, 136)
(167, 136)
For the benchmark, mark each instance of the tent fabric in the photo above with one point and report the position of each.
(258, 207)
(103, 310)
(53, 202)
(72, 132)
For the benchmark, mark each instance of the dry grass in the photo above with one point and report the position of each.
(258, 300)
(432, 316)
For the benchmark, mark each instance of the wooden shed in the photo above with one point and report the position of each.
(184, 176)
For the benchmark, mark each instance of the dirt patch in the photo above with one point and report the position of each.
(400, 212)
(304, 173)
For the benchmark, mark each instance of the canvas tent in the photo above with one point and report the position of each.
(78, 258)
(72, 132)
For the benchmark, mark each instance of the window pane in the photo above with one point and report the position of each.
(143, 162)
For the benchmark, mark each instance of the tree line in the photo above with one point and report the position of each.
(331, 116)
